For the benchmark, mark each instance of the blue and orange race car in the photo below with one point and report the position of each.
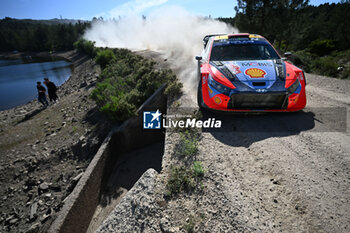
(243, 72)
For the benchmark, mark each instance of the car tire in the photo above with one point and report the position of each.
(199, 95)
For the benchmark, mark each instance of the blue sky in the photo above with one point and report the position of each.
(86, 9)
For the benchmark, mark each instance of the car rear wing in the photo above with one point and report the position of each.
(238, 35)
(207, 37)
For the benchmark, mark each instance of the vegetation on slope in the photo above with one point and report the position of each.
(35, 35)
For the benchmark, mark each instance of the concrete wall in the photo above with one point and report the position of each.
(80, 205)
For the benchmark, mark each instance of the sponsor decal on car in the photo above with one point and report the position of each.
(234, 69)
(256, 64)
(301, 76)
(204, 79)
(217, 100)
(255, 73)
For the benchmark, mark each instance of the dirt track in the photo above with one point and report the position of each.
(287, 179)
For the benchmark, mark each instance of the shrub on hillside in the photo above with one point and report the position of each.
(303, 59)
(321, 47)
(105, 57)
(325, 66)
(85, 46)
(127, 82)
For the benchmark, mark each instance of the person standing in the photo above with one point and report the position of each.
(41, 94)
(51, 89)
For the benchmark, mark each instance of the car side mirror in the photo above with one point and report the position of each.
(198, 58)
(287, 56)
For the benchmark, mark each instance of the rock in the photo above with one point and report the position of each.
(164, 225)
(44, 218)
(44, 186)
(10, 189)
(47, 195)
(33, 211)
(135, 206)
(74, 182)
(82, 139)
(77, 178)
(74, 120)
(8, 219)
(84, 84)
(13, 221)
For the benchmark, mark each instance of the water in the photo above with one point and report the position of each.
(18, 79)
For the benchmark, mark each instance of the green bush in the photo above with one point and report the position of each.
(182, 178)
(105, 57)
(87, 47)
(325, 66)
(321, 47)
(187, 145)
(173, 88)
(303, 59)
(198, 169)
(126, 82)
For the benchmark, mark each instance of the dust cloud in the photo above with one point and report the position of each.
(172, 31)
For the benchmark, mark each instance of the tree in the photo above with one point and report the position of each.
(276, 20)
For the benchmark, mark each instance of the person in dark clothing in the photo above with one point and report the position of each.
(41, 94)
(51, 89)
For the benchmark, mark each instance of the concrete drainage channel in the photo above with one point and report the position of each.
(124, 156)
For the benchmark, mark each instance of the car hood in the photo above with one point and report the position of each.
(249, 72)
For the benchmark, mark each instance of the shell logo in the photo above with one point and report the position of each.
(217, 100)
(255, 73)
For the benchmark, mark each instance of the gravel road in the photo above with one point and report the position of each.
(288, 180)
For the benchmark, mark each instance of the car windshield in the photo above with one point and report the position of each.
(243, 51)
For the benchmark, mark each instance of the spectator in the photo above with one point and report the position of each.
(51, 89)
(42, 94)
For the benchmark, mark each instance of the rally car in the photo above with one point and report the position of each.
(243, 72)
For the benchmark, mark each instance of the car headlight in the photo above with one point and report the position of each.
(218, 86)
(292, 88)
(280, 70)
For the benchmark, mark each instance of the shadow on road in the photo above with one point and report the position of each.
(245, 129)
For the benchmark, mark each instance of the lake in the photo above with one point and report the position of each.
(18, 79)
